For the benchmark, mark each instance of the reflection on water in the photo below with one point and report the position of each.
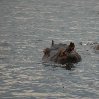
(27, 27)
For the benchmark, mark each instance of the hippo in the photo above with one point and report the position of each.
(61, 54)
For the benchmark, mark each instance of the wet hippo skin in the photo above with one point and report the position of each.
(61, 54)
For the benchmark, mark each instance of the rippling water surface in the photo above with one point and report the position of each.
(26, 28)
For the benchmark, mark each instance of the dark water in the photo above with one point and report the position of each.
(26, 28)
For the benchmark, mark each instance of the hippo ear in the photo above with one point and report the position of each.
(72, 44)
(52, 43)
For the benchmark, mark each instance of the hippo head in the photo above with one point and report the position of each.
(68, 55)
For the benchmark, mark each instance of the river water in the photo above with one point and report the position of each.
(27, 27)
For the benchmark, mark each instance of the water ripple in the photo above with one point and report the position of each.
(27, 27)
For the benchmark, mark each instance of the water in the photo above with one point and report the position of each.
(26, 28)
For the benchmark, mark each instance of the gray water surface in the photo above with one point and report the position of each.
(26, 28)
